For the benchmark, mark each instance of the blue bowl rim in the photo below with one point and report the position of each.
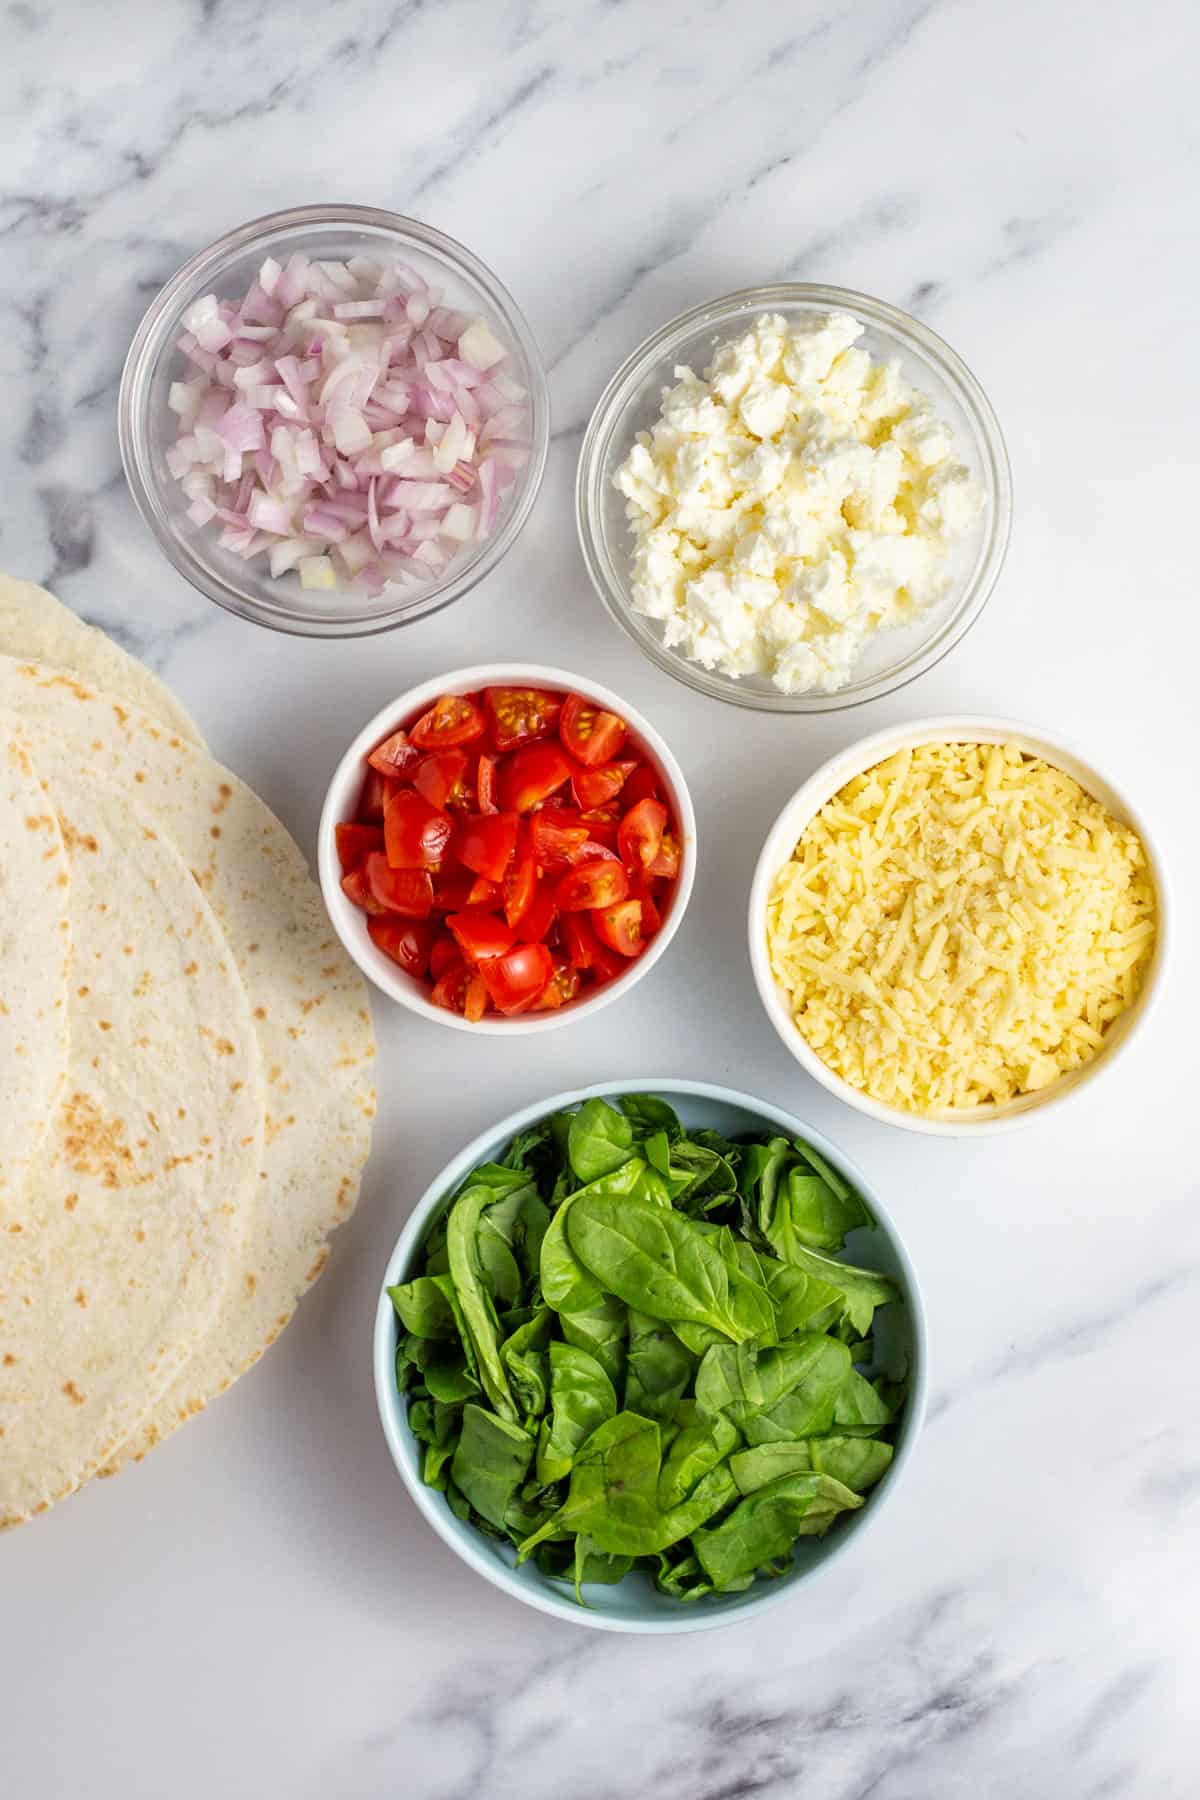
(431, 1502)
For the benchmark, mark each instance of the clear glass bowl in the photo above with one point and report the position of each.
(630, 403)
(147, 427)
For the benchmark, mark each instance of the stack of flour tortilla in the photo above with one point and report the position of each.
(186, 1062)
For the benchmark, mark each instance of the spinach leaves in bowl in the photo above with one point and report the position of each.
(629, 1345)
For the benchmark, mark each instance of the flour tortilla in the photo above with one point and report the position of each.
(129, 1229)
(35, 952)
(308, 1001)
(35, 627)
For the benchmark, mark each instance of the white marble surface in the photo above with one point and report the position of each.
(259, 1610)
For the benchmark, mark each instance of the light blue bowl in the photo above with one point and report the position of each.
(634, 1604)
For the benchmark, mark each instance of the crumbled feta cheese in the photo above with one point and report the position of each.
(792, 503)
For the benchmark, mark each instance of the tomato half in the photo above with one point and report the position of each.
(370, 801)
(355, 843)
(514, 981)
(519, 714)
(485, 843)
(535, 921)
(407, 891)
(579, 939)
(531, 775)
(452, 890)
(406, 941)
(395, 756)
(602, 825)
(436, 776)
(520, 879)
(620, 927)
(643, 784)
(597, 882)
(607, 964)
(590, 734)
(480, 934)
(557, 837)
(485, 785)
(357, 888)
(598, 787)
(640, 835)
(483, 892)
(562, 986)
(416, 834)
(651, 916)
(665, 866)
(453, 719)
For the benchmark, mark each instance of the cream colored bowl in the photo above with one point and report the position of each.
(821, 787)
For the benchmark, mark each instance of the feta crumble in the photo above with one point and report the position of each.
(797, 500)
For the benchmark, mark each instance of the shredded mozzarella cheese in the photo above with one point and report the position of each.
(959, 925)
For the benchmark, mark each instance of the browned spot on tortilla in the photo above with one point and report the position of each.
(80, 1297)
(282, 1319)
(77, 840)
(121, 713)
(9, 1359)
(318, 1265)
(140, 1235)
(260, 1012)
(83, 992)
(235, 1087)
(73, 1394)
(306, 1006)
(191, 968)
(329, 971)
(139, 775)
(345, 1197)
(224, 1047)
(295, 1032)
(127, 950)
(52, 681)
(181, 1112)
(60, 880)
(148, 833)
(153, 1118)
(214, 831)
(16, 1230)
(95, 1145)
(36, 821)
(224, 796)
(106, 1025)
(71, 1202)
(251, 1283)
(177, 1162)
(252, 948)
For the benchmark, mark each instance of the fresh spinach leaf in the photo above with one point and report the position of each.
(581, 1398)
(658, 1368)
(695, 1452)
(649, 1114)
(767, 1523)
(474, 1298)
(424, 1309)
(604, 1331)
(599, 1140)
(490, 1462)
(858, 1463)
(653, 1259)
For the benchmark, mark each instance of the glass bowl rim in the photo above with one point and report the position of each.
(153, 339)
(996, 476)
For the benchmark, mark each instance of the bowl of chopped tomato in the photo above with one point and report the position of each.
(507, 847)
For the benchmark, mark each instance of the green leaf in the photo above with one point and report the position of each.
(490, 1462)
(658, 1368)
(566, 1284)
(656, 1261)
(603, 1330)
(861, 1404)
(612, 1497)
(423, 1308)
(649, 1114)
(786, 1390)
(861, 1290)
(695, 1452)
(767, 1523)
(858, 1463)
(581, 1398)
(523, 1354)
(474, 1298)
(599, 1140)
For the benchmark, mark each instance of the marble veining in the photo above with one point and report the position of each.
(259, 1610)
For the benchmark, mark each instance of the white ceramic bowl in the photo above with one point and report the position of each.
(808, 800)
(342, 798)
(634, 1604)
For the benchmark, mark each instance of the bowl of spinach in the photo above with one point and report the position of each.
(648, 1355)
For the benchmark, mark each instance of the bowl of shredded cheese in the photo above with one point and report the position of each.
(956, 923)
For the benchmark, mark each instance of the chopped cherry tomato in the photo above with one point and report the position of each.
(452, 890)
(370, 801)
(651, 916)
(436, 776)
(579, 939)
(531, 775)
(483, 892)
(640, 836)
(355, 843)
(485, 784)
(562, 986)
(443, 954)
(480, 934)
(519, 714)
(620, 927)
(597, 787)
(356, 887)
(607, 964)
(643, 784)
(602, 828)
(665, 866)
(557, 837)
(515, 980)
(485, 843)
(408, 891)
(395, 756)
(539, 915)
(520, 878)
(595, 851)
(459, 989)
(590, 734)
(597, 882)
(406, 941)
(453, 719)
(416, 834)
